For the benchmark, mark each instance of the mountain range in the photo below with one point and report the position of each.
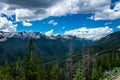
(15, 44)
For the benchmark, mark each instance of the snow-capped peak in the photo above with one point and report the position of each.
(5, 35)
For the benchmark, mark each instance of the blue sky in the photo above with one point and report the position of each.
(68, 22)
(69, 17)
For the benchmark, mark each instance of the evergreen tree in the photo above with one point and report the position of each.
(95, 75)
(19, 71)
(100, 71)
(79, 74)
(6, 72)
(32, 64)
(55, 72)
(45, 73)
(1, 73)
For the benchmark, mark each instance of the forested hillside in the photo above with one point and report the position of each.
(89, 63)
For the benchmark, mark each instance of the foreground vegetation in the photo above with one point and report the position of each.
(86, 66)
(111, 75)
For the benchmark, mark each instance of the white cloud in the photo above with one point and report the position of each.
(7, 26)
(77, 6)
(118, 27)
(29, 15)
(90, 33)
(53, 22)
(38, 10)
(108, 14)
(25, 23)
(49, 33)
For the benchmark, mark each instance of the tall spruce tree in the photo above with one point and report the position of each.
(19, 70)
(32, 64)
(6, 72)
(55, 72)
(95, 74)
(79, 74)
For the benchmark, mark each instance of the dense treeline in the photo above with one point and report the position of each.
(86, 66)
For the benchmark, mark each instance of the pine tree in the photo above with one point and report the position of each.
(32, 64)
(79, 74)
(1, 73)
(55, 72)
(95, 75)
(19, 70)
(6, 72)
(100, 71)
(45, 73)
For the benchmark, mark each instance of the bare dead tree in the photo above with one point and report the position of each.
(69, 65)
(88, 61)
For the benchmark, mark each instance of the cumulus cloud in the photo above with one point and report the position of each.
(41, 9)
(107, 13)
(118, 27)
(31, 3)
(7, 26)
(77, 6)
(53, 22)
(25, 23)
(90, 33)
(49, 33)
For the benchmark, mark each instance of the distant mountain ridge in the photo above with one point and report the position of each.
(15, 44)
(110, 40)
(35, 35)
(5, 35)
(109, 44)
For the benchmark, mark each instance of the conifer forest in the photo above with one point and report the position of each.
(86, 65)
